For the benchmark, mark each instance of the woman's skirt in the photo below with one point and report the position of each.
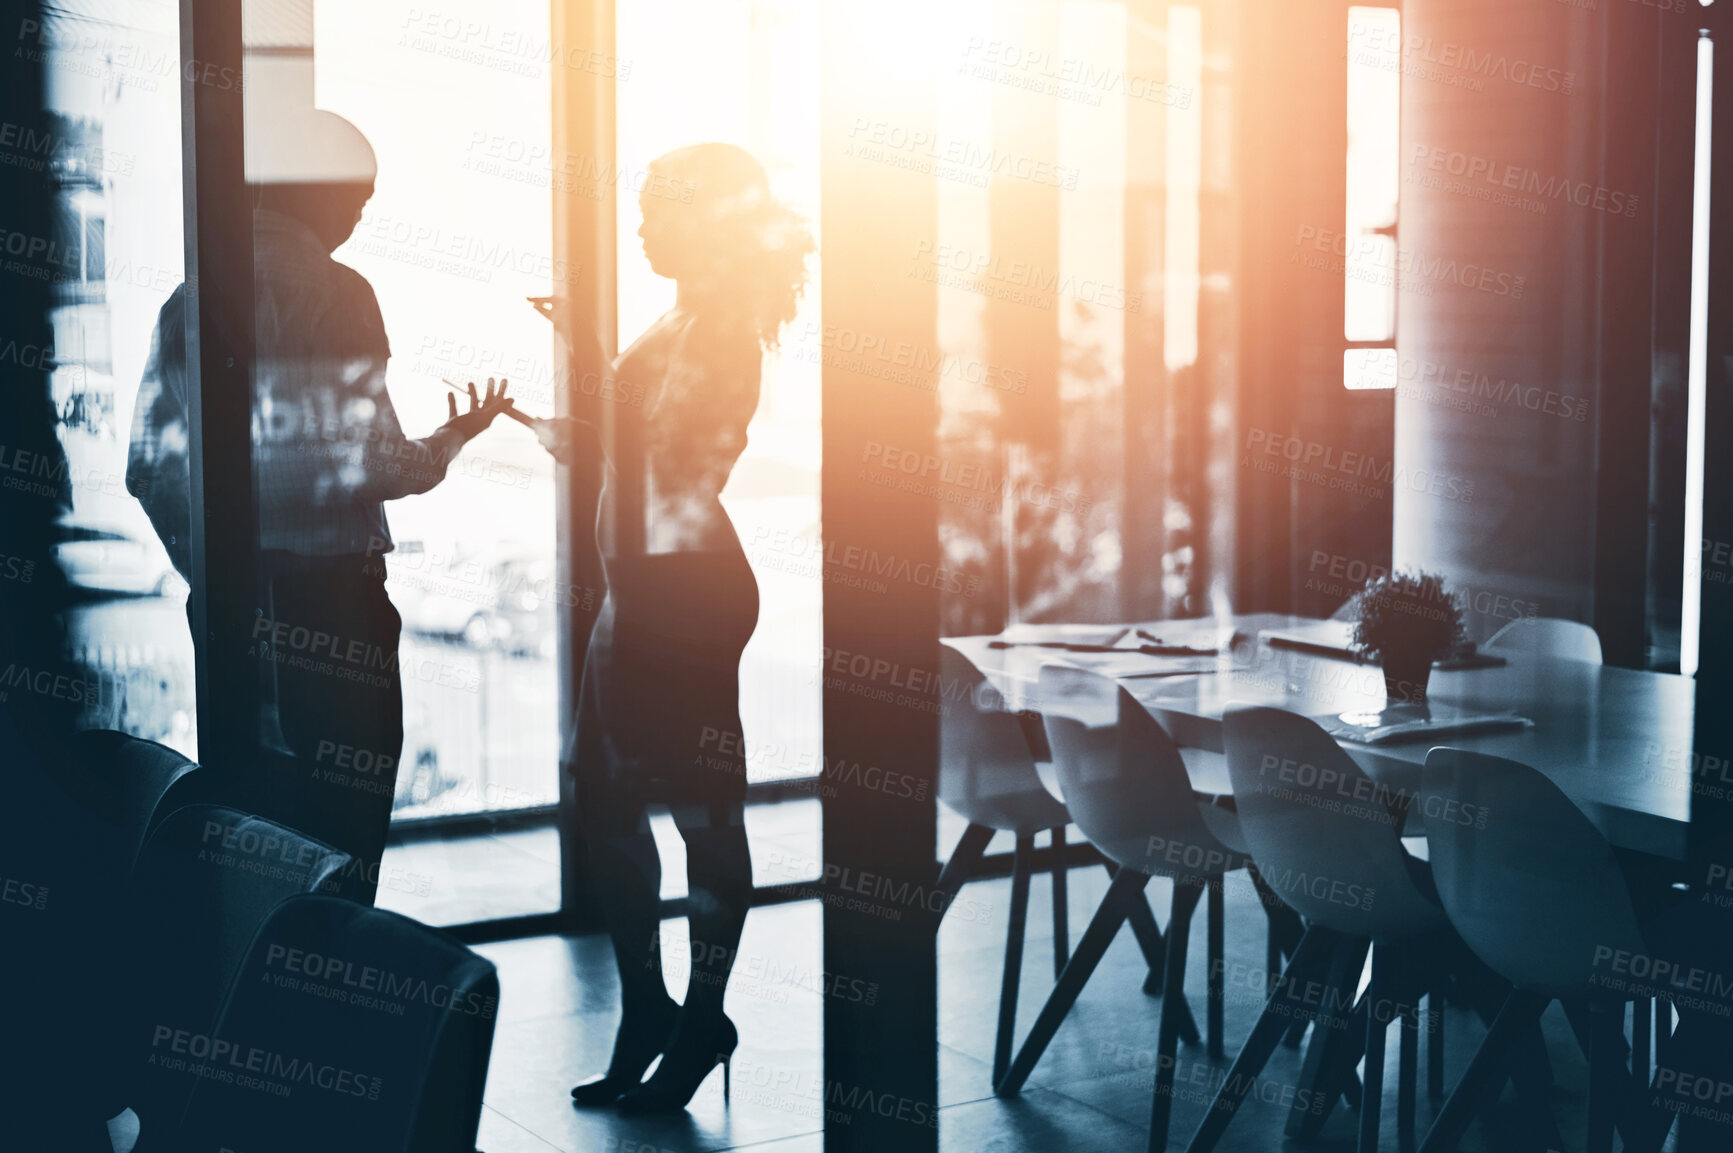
(659, 708)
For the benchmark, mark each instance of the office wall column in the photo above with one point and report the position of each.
(584, 239)
(1496, 427)
(1147, 389)
(1628, 272)
(1290, 163)
(882, 581)
(1023, 232)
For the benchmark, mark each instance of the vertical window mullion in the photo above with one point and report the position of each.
(219, 335)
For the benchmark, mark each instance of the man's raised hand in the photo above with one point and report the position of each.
(482, 409)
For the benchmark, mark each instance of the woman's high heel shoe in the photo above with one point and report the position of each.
(638, 1043)
(692, 1053)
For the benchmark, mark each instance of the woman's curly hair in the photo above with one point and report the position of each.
(750, 247)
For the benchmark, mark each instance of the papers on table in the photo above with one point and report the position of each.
(1418, 723)
(1059, 634)
(1108, 640)
(1134, 663)
(1327, 638)
(1115, 651)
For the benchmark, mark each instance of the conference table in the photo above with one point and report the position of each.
(1617, 741)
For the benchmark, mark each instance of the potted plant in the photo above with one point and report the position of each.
(1405, 621)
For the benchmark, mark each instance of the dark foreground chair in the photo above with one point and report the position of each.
(138, 781)
(65, 849)
(347, 1028)
(203, 883)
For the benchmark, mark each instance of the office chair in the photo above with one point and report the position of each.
(988, 775)
(203, 883)
(1538, 894)
(1548, 637)
(137, 782)
(394, 1019)
(1128, 791)
(1326, 838)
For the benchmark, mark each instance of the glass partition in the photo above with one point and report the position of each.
(113, 155)
(399, 166)
(746, 73)
(455, 237)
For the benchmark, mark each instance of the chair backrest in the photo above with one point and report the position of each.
(355, 1028)
(131, 778)
(1324, 835)
(1529, 882)
(1549, 637)
(203, 883)
(64, 855)
(986, 769)
(1123, 779)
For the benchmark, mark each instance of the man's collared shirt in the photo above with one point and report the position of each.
(327, 447)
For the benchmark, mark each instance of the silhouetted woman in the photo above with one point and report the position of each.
(658, 713)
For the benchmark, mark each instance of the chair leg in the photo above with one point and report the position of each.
(1021, 868)
(1600, 1032)
(1435, 1042)
(1648, 1129)
(1285, 932)
(1283, 924)
(963, 860)
(1154, 947)
(1350, 1081)
(1282, 1005)
(1286, 927)
(1377, 1024)
(1408, 1065)
(1678, 1054)
(1328, 1069)
(1061, 905)
(1272, 952)
(1125, 893)
(1485, 1074)
(1185, 899)
(1606, 1037)
(1641, 1015)
(1149, 939)
(1531, 1076)
(1213, 1011)
(1663, 1030)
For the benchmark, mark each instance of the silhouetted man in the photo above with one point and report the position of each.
(327, 451)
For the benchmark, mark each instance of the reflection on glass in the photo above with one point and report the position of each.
(1184, 180)
(1374, 134)
(456, 235)
(1369, 368)
(745, 74)
(112, 153)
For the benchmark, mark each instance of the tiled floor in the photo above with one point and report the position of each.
(477, 878)
(1091, 1091)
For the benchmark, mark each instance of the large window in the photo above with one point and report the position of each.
(113, 155)
(1371, 266)
(746, 72)
(456, 236)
